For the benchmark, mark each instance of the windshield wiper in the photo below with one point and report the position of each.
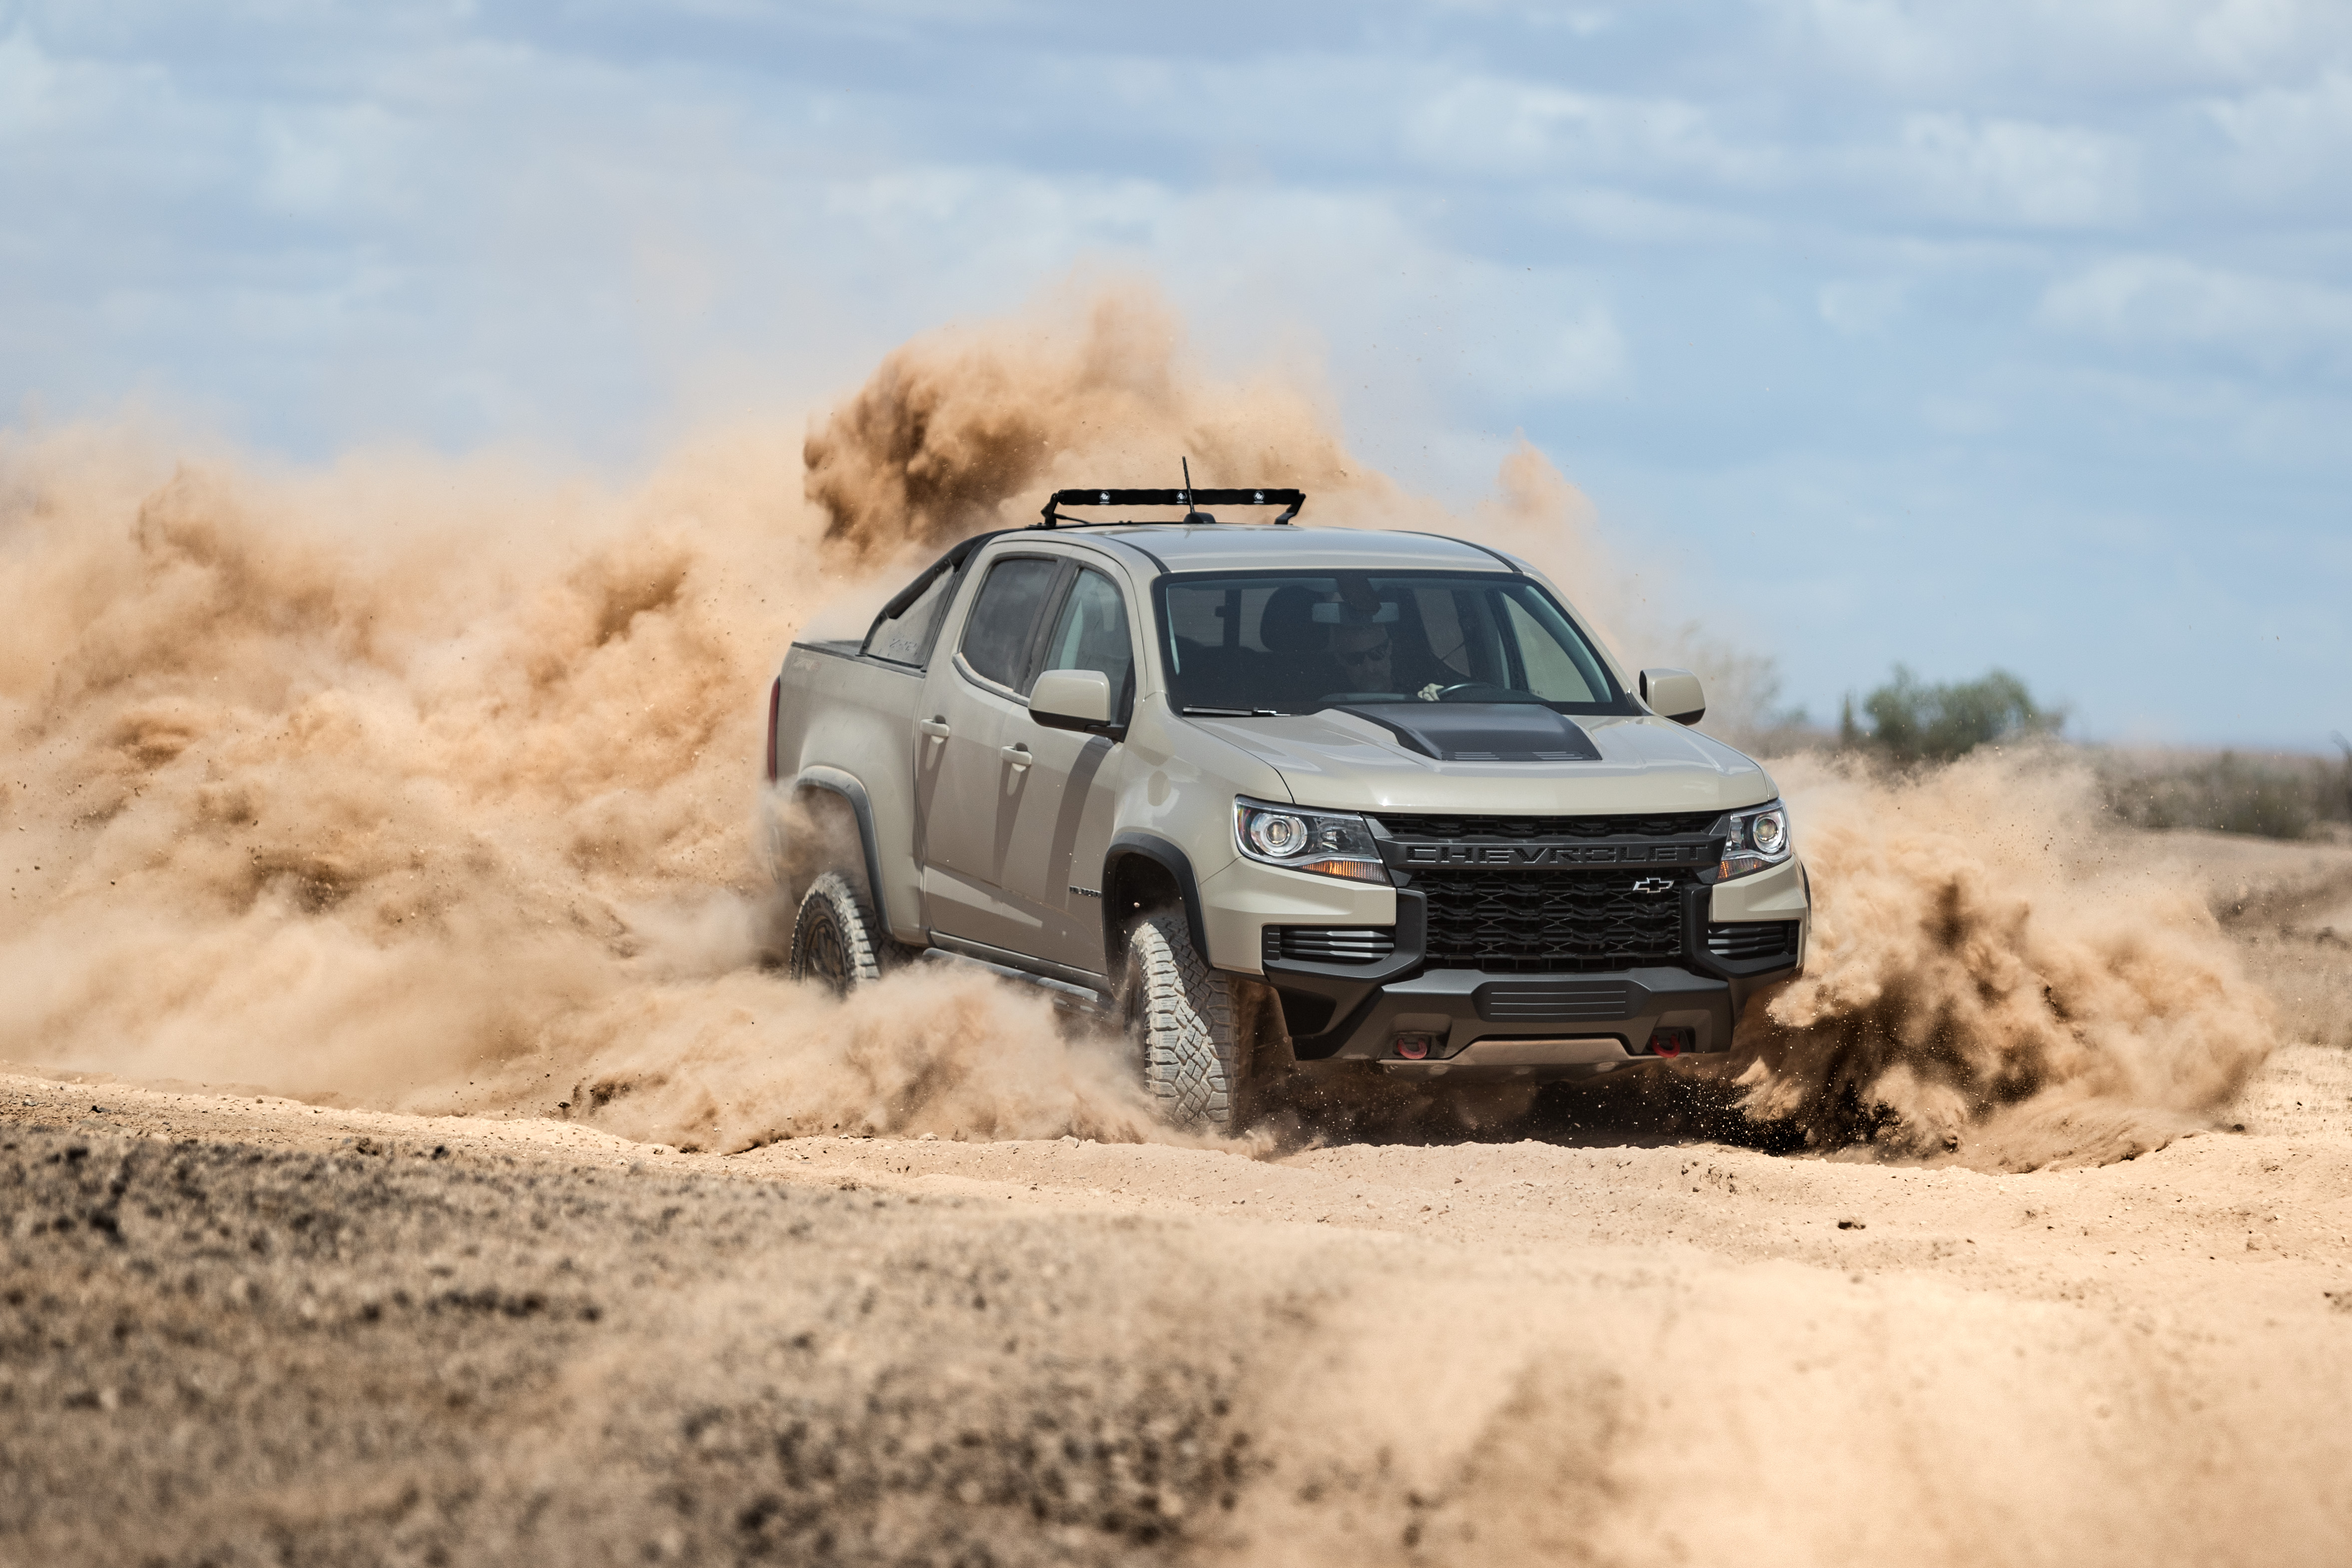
(1232, 712)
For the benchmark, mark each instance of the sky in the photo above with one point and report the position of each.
(1959, 335)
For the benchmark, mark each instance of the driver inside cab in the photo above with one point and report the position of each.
(1335, 644)
(1365, 656)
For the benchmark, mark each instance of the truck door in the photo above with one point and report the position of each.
(1062, 820)
(974, 752)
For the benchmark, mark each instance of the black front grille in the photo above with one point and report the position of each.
(1551, 922)
(1525, 828)
(1753, 939)
(1331, 944)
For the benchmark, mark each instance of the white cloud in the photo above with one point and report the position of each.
(1578, 357)
(2288, 138)
(2006, 46)
(2249, 35)
(1494, 127)
(1857, 307)
(2165, 300)
(2011, 172)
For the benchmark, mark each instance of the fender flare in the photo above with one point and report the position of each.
(1164, 853)
(850, 789)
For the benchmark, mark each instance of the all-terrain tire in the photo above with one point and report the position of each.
(1183, 1021)
(835, 941)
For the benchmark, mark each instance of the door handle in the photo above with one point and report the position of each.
(1017, 754)
(935, 729)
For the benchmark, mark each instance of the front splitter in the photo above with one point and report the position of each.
(1466, 1010)
(1538, 1059)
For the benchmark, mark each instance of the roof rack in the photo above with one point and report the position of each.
(1190, 499)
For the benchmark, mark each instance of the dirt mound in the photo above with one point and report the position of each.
(241, 1330)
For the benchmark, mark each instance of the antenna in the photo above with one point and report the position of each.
(1192, 514)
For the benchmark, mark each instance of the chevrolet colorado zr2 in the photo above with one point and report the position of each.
(1267, 794)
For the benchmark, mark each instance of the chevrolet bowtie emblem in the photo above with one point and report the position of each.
(1654, 885)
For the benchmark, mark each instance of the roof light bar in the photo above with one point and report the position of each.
(1290, 501)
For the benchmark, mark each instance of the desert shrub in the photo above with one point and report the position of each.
(1911, 721)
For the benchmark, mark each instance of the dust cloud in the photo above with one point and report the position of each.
(429, 786)
(1997, 973)
(965, 431)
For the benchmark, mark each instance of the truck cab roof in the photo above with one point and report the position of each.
(1223, 547)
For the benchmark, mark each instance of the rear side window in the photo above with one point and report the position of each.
(1091, 634)
(906, 638)
(1003, 624)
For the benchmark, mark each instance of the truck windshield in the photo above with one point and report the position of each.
(1278, 642)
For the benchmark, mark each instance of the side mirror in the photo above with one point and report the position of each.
(1072, 699)
(1674, 694)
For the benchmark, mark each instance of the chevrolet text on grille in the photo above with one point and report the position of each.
(1557, 854)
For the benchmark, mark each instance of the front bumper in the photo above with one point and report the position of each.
(1486, 1025)
(1480, 1022)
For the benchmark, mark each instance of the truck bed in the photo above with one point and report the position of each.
(846, 721)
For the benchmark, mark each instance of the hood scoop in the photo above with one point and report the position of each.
(1481, 732)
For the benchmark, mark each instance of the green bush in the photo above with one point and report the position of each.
(1911, 721)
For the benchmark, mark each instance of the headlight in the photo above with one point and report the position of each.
(1758, 839)
(1329, 844)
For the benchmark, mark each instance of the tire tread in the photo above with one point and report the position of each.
(834, 900)
(1185, 1017)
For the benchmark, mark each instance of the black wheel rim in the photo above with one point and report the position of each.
(826, 956)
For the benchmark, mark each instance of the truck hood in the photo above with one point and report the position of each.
(1646, 764)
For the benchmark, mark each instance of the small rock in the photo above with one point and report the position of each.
(1852, 1225)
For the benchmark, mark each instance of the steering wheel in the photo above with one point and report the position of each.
(1451, 693)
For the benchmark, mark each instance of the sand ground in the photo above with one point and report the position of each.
(240, 1329)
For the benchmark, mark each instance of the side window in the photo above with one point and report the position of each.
(906, 638)
(1091, 634)
(1003, 624)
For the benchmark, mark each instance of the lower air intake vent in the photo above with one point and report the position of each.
(1331, 944)
(1554, 1000)
(1752, 939)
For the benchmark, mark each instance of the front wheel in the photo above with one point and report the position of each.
(1183, 1021)
(835, 941)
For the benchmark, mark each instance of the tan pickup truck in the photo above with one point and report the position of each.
(1341, 795)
